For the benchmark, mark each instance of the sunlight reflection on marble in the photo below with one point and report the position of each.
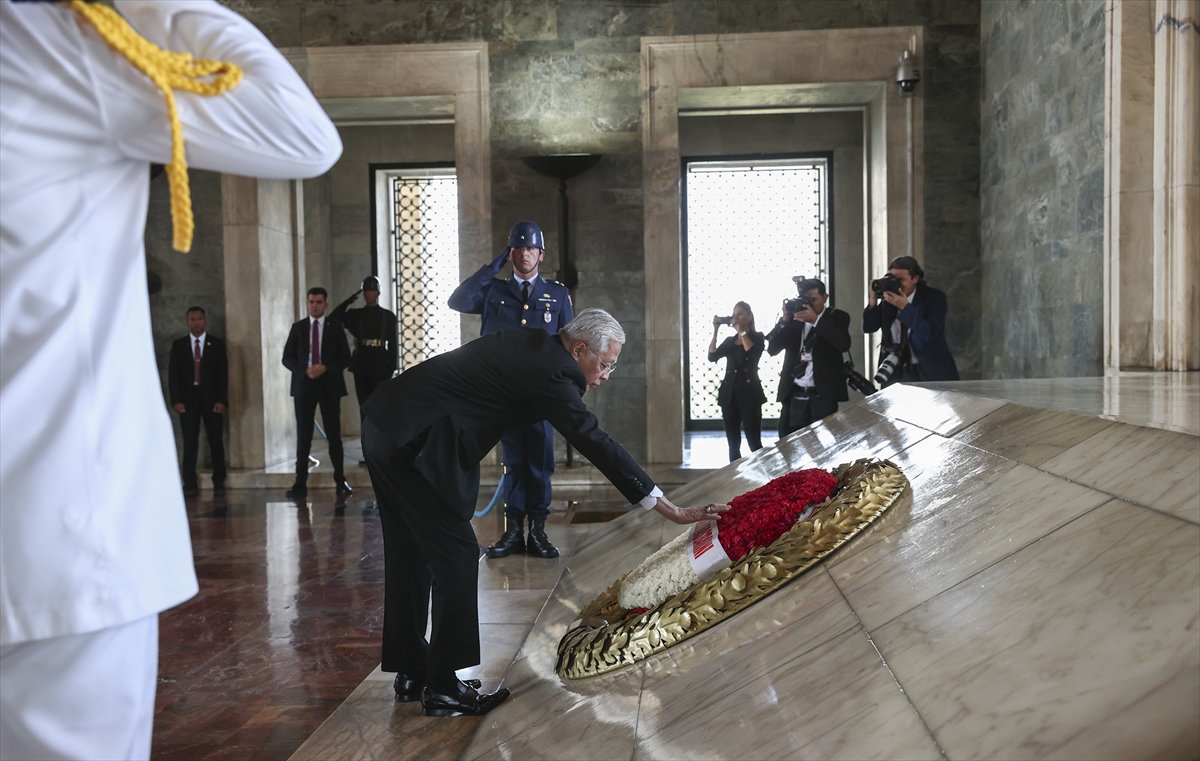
(1082, 645)
(967, 509)
(943, 412)
(1144, 465)
(1169, 401)
(836, 700)
(1030, 435)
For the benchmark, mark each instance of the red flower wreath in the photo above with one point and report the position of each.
(759, 517)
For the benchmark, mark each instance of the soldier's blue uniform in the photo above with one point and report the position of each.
(528, 452)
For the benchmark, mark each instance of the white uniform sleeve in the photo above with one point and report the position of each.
(268, 126)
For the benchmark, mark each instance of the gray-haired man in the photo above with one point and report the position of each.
(424, 435)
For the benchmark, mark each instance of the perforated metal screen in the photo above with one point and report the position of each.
(425, 245)
(750, 227)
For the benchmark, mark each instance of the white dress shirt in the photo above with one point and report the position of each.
(93, 532)
(806, 380)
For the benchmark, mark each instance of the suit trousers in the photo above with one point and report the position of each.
(528, 466)
(196, 412)
(80, 695)
(800, 411)
(315, 396)
(427, 550)
(742, 414)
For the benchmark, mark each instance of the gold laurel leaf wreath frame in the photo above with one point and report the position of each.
(604, 639)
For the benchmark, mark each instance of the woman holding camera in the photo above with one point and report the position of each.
(740, 396)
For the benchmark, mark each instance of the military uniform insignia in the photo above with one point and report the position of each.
(546, 316)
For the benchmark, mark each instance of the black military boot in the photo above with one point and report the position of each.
(512, 541)
(539, 544)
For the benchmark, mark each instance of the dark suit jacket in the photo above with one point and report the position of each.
(335, 355)
(831, 340)
(468, 398)
(926, 321)
(214, 372)
(741, 370)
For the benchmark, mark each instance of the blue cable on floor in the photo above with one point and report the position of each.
(495, 499)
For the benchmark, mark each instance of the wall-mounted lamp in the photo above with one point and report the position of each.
(907, 73)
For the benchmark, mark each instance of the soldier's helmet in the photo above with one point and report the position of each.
(526, 234)
(370, 283)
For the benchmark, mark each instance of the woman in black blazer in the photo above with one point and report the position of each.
(740, 396)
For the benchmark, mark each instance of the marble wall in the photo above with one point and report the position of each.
(565, 76)
(1042, 146)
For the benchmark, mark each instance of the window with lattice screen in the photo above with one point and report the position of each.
(424, 237)
(749, 227)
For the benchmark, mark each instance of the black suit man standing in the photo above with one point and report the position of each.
(198, 382)
(424, 435)
(317, 352)
(813, 379)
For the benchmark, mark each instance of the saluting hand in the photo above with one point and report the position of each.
(498, 262)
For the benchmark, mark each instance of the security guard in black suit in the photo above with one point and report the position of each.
(198, 383)
(375, 339)
(424, 435)
(522, 300)
(317, 381)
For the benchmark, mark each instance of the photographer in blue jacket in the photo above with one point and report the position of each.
(912, 316)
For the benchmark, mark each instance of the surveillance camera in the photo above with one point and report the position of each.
(907, 73)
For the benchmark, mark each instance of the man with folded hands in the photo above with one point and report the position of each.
(424, 434)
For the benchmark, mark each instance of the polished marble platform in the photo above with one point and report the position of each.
(1035, 595)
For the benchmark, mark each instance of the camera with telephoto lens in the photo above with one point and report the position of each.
(725, 320)
(887, 366)
(889, 283)
(791, 306)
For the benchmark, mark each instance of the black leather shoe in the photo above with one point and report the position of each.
(408, 689)
(512, 541)
(465, 702)
(343, 488)
(539, 544)
(191, 491)
(297, 492)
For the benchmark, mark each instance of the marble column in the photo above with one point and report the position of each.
(1175, 339)
(1129, 183)
(264, 272)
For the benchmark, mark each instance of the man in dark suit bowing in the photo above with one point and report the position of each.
(424, 435)
(813, 338)
(198, 383)
(317, 352)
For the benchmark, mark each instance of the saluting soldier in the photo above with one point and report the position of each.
(374, 331)
(524, 299)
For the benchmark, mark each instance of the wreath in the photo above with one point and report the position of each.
(818, 513)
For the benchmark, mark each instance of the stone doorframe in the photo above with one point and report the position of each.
(264, 226)
(833, 68)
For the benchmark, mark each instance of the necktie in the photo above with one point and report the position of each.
(196, 363)
(525, 291)
(315, 344)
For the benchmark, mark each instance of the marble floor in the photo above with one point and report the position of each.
(1035, 595)
(287, 623)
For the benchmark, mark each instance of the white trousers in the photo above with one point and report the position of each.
(80, 696)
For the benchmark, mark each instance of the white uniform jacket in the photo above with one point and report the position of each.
(93, 531)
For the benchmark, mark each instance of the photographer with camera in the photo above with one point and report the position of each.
(813, 340)
(740, 396)
(913, 318)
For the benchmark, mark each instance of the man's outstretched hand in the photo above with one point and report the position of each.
(685, 515)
